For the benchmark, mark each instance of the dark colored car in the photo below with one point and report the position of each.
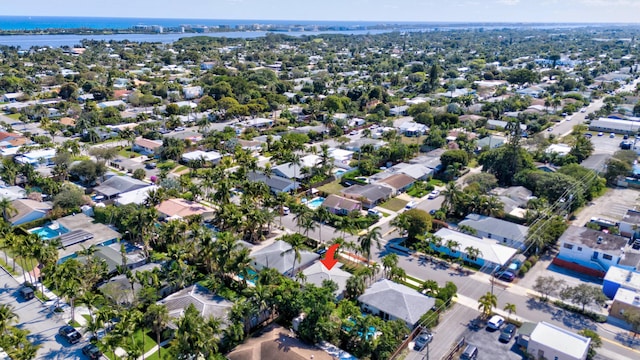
(506, 276)
(92, 352)
(507, 333)
(422, 340)
(26, 293)
(70, 334)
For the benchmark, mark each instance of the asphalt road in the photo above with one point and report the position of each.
(40, 321)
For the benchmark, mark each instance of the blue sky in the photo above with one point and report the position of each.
(357, 10)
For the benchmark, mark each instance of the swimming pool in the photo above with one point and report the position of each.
(49, 231)
(339, 172)
(252, 276)
(315, 203)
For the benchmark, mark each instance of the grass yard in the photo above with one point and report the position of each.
(436, 182)
(127, 153)
(15, 116)
(394, 204)
(149, 343)
(333, 187)
(413, 140)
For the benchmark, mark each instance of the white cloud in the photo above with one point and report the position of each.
(509, 2)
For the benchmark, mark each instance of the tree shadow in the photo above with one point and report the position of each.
(628, 340)
(534, 304)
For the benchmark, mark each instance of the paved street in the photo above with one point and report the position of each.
(43, 325)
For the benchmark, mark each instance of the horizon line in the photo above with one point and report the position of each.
(379, 22)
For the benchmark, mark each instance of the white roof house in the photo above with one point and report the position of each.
(552, 342)
(491, 253)
(137, 196)
(317, 273)
(36, 157)
(212, 156)
(290, 170)
(560, 149)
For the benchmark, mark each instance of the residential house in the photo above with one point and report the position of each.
(138, 196)
(369, 195)
(192, 92)
(12, 193)
(118, 185)
(393, 301)
(123, 291)
(416, 171)
(275, 183)
(114, 103)
(207, 303)
(339, 205)
(37, 157)
(398, 182)
(11, 97)
(12, 140)
(559, 149)
(514, 198)
(113, 258)
(341, 157)
(533, 91)
(589, 251)
(356, 145)
(411, 128)
(79, 231)
(279, 256)
(504, 232)
(146, 146)
(625, 300)
(490, 142)
(181, 208)
(207, 156)
(27, 210)
(258, 123)
(630, 224)
(294, 171)
(548, 341)
(317, 273)
(499, 124)
(620, 278)
(399, 111)
(615, 126)
(491, 254)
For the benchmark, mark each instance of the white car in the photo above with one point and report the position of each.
(285, 210)
(495, 322)
(434, 194)
(410, 205)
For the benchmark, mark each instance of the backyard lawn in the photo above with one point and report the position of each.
(394, 204)
(15, 116)
(333, 187)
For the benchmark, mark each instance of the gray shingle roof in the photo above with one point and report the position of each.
(207, 303)
(397, 300)
(496, 227)
(118, 185)
(273, 256)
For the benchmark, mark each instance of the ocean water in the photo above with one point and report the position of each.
(56, 22)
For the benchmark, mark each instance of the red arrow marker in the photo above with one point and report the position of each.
(329, 258)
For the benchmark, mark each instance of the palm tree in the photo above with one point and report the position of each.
(7, 208)
(430, 287)
(472, 252)
(453, 246)
(7, 317)
(323, 216)
(510, 309)
(355, 287)
(157, 318)
(296, 242)
(486, 303)
(388, 263)
(367, 239)
(295, 163)
(452, 196)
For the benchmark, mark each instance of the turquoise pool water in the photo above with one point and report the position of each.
(315, 203)
(251, 278)
(339, 172)
(48, 232)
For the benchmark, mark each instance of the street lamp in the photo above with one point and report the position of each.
(493, 278)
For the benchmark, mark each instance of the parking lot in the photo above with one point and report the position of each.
(611, 206)
(489, 347)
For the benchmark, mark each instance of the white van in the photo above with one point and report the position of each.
(374, 212)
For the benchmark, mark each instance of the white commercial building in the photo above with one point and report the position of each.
(548, 341)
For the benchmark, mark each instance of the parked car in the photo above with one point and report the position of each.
(612, 135)
(506, 275)
(26, 293)
(600, 133)
(286, 210)
(432, 211)
(150, 165)
(374, 212)
(495, 322)
(434, 194)
(92, 352)
(179, 128)
(469, 353)
(410, 205)
(422, 340)
(70, 334)
(507, 333)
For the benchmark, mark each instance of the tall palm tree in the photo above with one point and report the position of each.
(323, 216)
(7, 317)
(369, 238)
(157, 318)
(472, 252)
(510, 309)
(486, 303)
(452, 196)
(296, 242)
(295, 162)
(7, 208)
(453, 246)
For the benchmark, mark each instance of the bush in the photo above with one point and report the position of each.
(527, 264)
(524, 269)
(430, 319)
(599, 318)
(533, 259)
